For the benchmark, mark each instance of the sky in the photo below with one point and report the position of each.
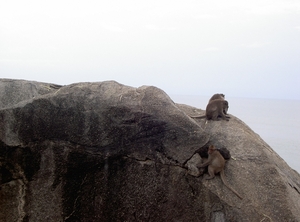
(191, 47)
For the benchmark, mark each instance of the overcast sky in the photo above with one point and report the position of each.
(240, 48)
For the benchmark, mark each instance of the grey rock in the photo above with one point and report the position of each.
(109, 152)
(192, 165)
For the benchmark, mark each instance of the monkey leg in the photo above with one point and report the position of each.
(211, 173)
(224, 117)
(215, 118)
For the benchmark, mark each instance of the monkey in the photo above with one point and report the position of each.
(209, 110)
(216, 164)
(215, 109)
(217, 96)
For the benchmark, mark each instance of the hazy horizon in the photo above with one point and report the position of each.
(243, 49)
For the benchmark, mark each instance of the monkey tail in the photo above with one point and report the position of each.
(222, 174)
(200, 117)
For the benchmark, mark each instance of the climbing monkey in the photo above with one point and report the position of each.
(216, 164)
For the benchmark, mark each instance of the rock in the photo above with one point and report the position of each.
(108, 152)
(192, 165)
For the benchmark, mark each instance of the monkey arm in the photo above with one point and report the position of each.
(204, 164)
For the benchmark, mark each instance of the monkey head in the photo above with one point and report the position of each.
(211, 149)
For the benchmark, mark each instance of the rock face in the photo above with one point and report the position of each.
(108, 152)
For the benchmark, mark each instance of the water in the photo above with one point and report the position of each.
(276, 121)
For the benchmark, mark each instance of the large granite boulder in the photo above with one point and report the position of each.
(108, 152)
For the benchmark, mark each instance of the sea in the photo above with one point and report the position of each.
(276, 121)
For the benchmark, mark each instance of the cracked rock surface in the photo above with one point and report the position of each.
(109, 152)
